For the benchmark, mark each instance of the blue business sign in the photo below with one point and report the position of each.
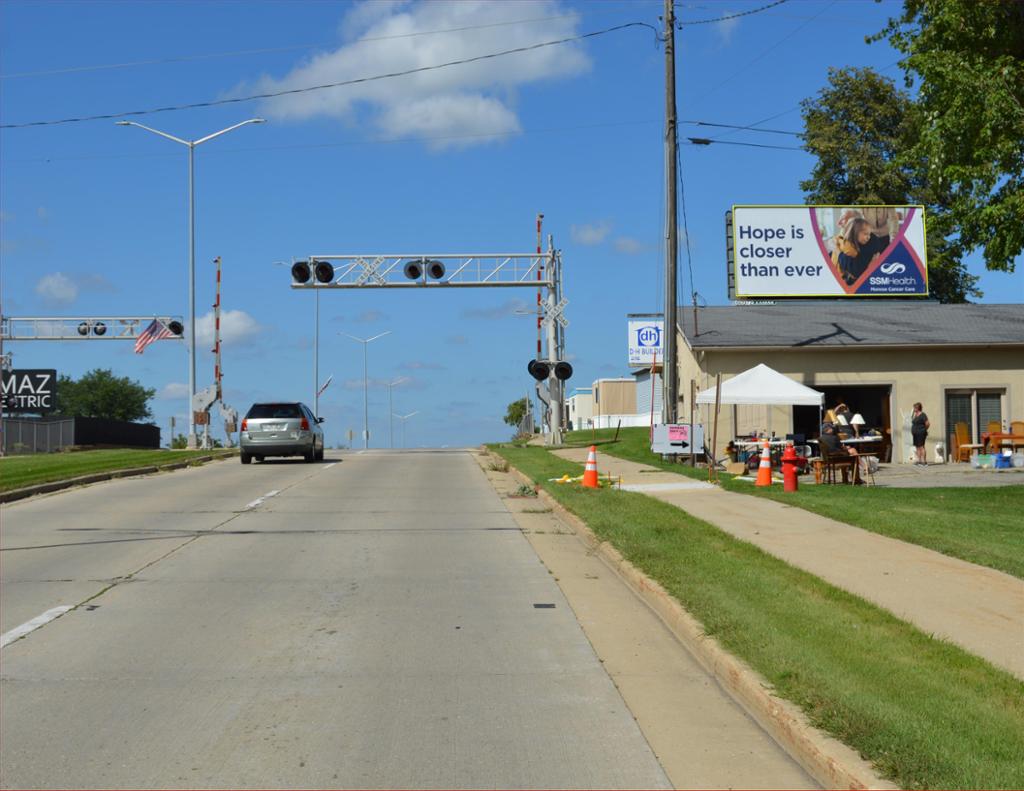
(645, 341)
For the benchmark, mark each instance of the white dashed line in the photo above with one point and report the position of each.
(259, 500)
(30, 626)
(330, 465)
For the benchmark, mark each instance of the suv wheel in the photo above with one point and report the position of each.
(245, 457)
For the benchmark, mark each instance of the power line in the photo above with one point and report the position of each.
(394, 140)
(731, 16)
(270, 95)
(707, 141)
(268, 50)
(749, 127)
(764, 53)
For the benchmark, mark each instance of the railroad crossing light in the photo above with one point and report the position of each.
(414, 269)
(563, 371)
(539, 370)
(176, 327)
(99, 328)
(301, 273)
(435, 269)
(324, 272)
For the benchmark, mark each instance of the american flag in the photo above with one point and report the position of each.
(154, 332)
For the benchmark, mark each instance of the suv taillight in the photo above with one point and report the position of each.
(304, 425)
(245, 424)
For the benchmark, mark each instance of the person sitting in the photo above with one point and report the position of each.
(830, 441)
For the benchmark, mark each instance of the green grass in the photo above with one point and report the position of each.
(19, 471)
(927, 713)
(633, 444)
(978, 524)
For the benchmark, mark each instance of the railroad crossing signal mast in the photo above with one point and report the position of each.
(539, 270)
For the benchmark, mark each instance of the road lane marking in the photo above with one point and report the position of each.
(30, 626)
(259, 500)
(330, 465)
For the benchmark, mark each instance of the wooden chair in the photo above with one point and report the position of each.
(964, 446)
(832, 462)
(1017, 428)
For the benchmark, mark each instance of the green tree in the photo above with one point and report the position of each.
(862, 128)
(967, 58)
(516, 411)
(101, 394)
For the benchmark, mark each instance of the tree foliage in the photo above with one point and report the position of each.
(101, 394)
(516, 411)
(967, 57)
(862, 129)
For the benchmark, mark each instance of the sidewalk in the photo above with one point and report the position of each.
(979, 609)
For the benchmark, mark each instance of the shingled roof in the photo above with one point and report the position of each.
(852, 325)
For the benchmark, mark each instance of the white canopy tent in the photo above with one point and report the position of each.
(763, 385)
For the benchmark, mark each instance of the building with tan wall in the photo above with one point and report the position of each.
(964, 363)
(614, 397)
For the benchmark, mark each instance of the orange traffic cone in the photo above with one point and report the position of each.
(764, 469)
(590, 471)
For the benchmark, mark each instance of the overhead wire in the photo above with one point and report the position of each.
(270, 50)
(737, 15)
(341, 83)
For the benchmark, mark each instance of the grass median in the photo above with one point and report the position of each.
(17, 472)
(927, 713)
(978, 524)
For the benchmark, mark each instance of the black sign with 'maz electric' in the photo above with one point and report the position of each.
(29, 390)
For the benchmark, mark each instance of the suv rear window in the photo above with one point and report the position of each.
(273, 411)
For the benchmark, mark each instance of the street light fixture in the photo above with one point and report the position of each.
(191, 145)
(391, 422)
(366, 383)
(404, 418)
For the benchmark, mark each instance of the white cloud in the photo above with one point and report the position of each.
(455, 102)
(57, 289)
(726, 28)
(590, 234)
(628, 245)
(236, 328)
(172, 390)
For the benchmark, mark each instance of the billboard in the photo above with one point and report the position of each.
(645, 340)
(827, 251)
(29, 390)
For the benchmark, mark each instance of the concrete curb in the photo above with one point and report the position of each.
(825, 758)
(97, 477)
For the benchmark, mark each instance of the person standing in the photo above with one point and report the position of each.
(919, 426)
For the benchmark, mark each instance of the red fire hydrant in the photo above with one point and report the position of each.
(789, 465)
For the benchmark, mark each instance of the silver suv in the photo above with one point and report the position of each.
(281, 429)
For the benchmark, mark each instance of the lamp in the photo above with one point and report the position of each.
(857, 421)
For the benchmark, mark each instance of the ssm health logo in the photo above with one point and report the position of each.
(648, 337)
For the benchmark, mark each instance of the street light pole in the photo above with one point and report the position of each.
(404, 418)
(366, 384)
(191, 145)
(391, 414)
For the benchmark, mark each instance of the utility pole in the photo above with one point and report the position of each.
(670, 399)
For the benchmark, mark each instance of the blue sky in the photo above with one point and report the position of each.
(93, 216)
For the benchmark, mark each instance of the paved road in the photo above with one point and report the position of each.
(374, 623)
